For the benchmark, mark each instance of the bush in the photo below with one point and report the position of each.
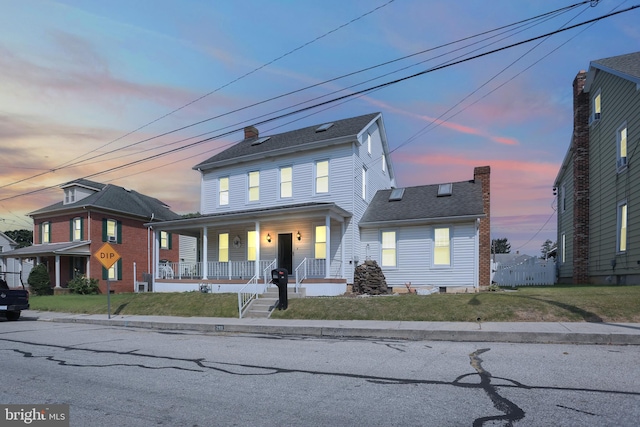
(38, 280)
(83, 286)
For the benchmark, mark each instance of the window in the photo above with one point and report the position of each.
(286, 182)
(563, 254)
(621, 163)
(595, 108)
(77, 229)
(223, 191)
(622, 227)
(364, 183)
(321, 242)
(45, 232)
(322, 176)
(563, 199)
(69, 195)
(369, 143)
(442, 247)
(251, 246)
(113, 273)
(384, 163)
(388, 248)
(165, 240)
(254, 186)
(223, 247)
(111, 231)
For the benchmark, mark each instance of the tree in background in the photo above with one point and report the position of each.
(23, 238)
(500, 246)
(546, 248)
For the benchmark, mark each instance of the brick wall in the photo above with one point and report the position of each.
(483, 174)
(580, 180)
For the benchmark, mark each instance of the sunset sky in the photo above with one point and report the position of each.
(93, 88)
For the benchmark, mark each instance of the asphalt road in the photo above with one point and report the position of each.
(114, 376)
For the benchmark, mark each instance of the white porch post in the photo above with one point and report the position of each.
(57, 271)
(257, 244)
(327, 260)
(156, 254)
(88, 268)
(205, 256)
(344, 251)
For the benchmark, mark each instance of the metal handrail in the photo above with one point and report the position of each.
(245, 297)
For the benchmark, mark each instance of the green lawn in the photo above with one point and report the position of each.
(567, 303)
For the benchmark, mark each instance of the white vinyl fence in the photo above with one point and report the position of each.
(533, 271)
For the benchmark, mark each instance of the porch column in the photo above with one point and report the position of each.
(205, 257)
(57, 271)
(156, 253)
(257, 244)
(88, 267)
(327, 260)
(343, 252)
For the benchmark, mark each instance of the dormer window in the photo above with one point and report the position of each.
(69, 195)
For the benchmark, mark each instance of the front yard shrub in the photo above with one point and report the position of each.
(83, 286)
(38, 280)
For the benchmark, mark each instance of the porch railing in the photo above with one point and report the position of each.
(310, 267)
(215, 269)
(248, 293)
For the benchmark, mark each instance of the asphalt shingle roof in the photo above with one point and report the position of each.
(423, 203)
(291, 140)
(628, 64)
(114, 198)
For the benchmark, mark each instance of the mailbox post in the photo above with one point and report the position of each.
(280, 277)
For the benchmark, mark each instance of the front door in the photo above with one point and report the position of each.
(285, 252)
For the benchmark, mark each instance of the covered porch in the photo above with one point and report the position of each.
(231, 250)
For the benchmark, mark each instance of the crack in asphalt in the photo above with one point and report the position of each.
(512, 412)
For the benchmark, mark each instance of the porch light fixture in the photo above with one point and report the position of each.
(268, 237)
(298, 236)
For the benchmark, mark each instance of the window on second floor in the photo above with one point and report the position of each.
(442, 246)
(369, 143)
(223, 247)
(286, 182)
(563, 198)
(320, 249)
(165, 240)
(621, 142)
(254, 186)
(595, 108)
(322, 176)
(364, 183)
(45, 232)
(622, 227)
(77, 229)
(111, 231)
(223, 191)
(384, 163)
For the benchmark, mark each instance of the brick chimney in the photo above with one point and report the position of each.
(250, 132)
(580, 180)
(483, 175)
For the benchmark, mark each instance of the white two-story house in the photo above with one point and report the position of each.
(291, 200)
(318, 201)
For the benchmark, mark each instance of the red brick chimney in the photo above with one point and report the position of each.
(483, 175)
(250, 132)
(580, 180)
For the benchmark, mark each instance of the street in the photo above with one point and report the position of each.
(114, 376)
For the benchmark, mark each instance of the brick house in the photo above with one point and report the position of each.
(597, 184)
(67, 235)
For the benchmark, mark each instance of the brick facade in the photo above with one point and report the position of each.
(580, 180)
(483, 174)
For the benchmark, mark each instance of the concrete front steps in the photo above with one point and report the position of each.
(266, 302)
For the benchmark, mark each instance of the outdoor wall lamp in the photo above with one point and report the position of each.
(298, 236)
(268, 237)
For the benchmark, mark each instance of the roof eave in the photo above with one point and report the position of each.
(421, 221)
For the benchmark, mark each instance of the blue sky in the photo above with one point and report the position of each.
(96, 82)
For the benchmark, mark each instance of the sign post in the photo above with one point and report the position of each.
(107, 256)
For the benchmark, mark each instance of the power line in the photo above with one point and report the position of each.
(363, 91)
(78, 162)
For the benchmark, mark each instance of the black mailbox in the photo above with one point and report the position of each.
(280, 277)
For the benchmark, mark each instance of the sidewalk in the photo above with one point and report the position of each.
(514, 332)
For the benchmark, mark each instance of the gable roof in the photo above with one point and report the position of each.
(624, 66)
(116, 199)
(306, 138)
(81, 182)
(422, 204)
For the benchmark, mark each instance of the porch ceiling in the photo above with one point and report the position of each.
(307, 210)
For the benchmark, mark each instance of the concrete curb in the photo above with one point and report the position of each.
(395, 330)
